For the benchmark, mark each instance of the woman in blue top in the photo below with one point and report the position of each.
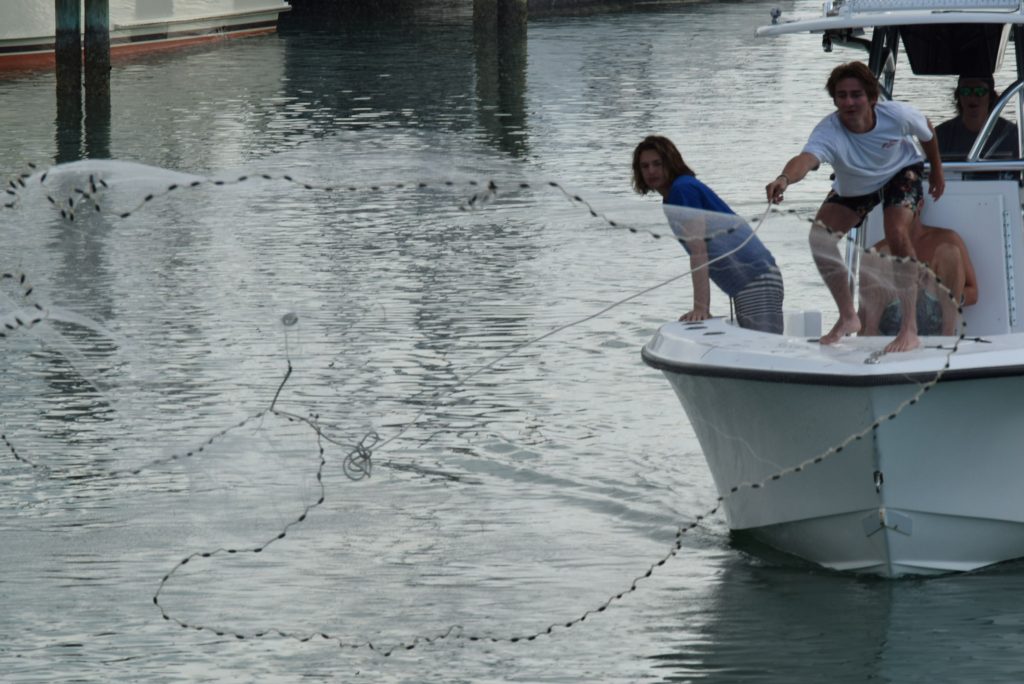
(722, 248)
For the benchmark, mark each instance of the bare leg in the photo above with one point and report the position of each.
(949, 267)
(830, 265)
(897, 234)
(875, 292)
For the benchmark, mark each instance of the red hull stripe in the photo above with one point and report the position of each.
(41, 54)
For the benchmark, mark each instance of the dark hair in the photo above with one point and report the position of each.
(670, 159)
(989, 81)
(857, 70)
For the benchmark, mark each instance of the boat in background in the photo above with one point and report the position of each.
(136, 26)
(857, 460)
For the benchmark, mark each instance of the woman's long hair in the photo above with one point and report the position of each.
(670, 159)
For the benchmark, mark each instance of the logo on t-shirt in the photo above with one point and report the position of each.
(890, 143)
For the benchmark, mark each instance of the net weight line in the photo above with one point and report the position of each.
(359, 460)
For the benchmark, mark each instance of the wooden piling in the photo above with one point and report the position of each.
(500, 15)
(67, 48)
(97, 79)
(499, 31)
(68, 45)
(97, 47)
(512, 15)
(485, 16)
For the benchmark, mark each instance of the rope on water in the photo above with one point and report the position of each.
(358, 462)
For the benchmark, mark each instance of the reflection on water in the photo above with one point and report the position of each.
(773, 623)
(527, 480)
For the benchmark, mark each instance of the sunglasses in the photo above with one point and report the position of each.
(977, 91)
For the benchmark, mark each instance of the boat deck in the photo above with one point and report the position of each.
(717, 347)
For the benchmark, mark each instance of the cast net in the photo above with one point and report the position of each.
(178, 347)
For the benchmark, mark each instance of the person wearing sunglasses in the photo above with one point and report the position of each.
(975, 97)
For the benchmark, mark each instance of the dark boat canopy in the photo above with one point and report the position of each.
(954, 49)
(940, 38)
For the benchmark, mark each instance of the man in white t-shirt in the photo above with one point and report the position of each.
(870, 147)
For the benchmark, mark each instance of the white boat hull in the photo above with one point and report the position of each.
(800, 467)
(27, 26)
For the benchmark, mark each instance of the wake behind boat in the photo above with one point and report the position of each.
(857, 460)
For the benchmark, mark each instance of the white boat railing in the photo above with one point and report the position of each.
(984, 165)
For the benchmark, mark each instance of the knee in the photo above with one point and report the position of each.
(822, 240)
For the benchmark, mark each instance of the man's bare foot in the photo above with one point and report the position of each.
(843, 327)
(904, 341)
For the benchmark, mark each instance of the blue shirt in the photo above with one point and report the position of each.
(734, 272)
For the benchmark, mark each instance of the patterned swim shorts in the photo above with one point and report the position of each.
(904, 189)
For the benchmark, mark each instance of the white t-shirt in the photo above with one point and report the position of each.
(864, 162)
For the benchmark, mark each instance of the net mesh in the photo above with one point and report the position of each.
(93, 403)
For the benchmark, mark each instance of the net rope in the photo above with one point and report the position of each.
(23, 311)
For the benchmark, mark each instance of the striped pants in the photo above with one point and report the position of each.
(759, 304)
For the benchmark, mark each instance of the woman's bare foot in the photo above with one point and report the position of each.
(842, 328)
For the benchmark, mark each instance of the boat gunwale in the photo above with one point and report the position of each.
(167, 23)
(838, 379)
(184, 29)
